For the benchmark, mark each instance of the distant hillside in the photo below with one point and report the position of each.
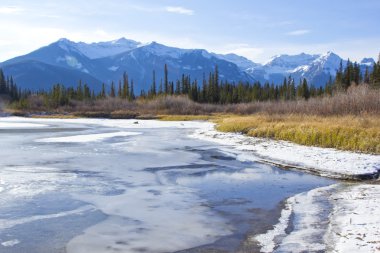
(67, 62)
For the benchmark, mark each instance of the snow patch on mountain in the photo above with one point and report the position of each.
(70, 61)
(242, 62)
(113, 68)
(369, 62)
(290, 62)
(105, 61)
(162, 50)
(99, 49)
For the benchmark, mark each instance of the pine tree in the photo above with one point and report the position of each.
(160, 91)
(132, 92)
(375, 76)
(112, 91)
(119, 90)
(305, 89)
(339, 77)
(177, 87)
(103, 92)
(153, 90)
(125, 86)
(86, 92)
(79, 91)
(2, 82)
(166, 82)
(366, 76)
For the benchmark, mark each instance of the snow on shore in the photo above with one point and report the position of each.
(355, 220)
(352, 226)
(309, 222)
(306, 223)
(322, 161)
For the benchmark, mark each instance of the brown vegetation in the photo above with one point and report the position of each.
(354, 133)
(358, 100)
(348, 120)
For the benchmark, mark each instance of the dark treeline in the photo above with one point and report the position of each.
(210, 89)
(9, 88)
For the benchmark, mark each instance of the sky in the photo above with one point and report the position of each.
(255, 29)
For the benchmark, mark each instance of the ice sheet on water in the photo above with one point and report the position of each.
(117, 123)
(88, 137)
(145, 212)
(28, 181)
(151, 218)
(10, 243)
(13, 125)
(9, 223)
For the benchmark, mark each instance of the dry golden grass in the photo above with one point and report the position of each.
(211, 117)
(354, 133)
(54, 116)
(347, 121)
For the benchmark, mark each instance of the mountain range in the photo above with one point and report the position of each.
(67, 62)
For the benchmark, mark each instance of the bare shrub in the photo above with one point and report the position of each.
(357, 100)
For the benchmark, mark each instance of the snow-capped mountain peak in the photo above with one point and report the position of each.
(122, 41)
(106, 49)
(242, 62)
(328, 63)
(368, 62)
(106, 61)
(291, 61)
(162, 50)
(66, 44)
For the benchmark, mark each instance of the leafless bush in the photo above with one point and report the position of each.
(357, 100)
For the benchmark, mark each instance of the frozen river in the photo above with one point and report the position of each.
(91, 185)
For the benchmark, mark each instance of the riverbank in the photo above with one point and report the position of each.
(321, 161)
(354, 210)
(352, 226)
(156, 185)
(358, 133)
(328, 162)
(349, 132)
(338, 218)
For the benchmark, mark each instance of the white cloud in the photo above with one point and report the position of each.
(298, 32)
(10, 10)
(179, 10)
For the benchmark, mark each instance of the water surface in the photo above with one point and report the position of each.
(144, 187)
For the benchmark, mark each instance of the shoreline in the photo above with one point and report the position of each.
(326, 162)
(352, 223)
(353, 133)
(345, 207)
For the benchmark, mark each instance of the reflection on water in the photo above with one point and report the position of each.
(158, 191)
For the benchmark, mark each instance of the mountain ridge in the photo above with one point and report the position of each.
(106, 62)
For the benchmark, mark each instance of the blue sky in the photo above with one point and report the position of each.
(255, 29)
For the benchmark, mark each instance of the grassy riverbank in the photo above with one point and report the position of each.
(349, 132)
(359, 133)
(354, 133)
(346, 121)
